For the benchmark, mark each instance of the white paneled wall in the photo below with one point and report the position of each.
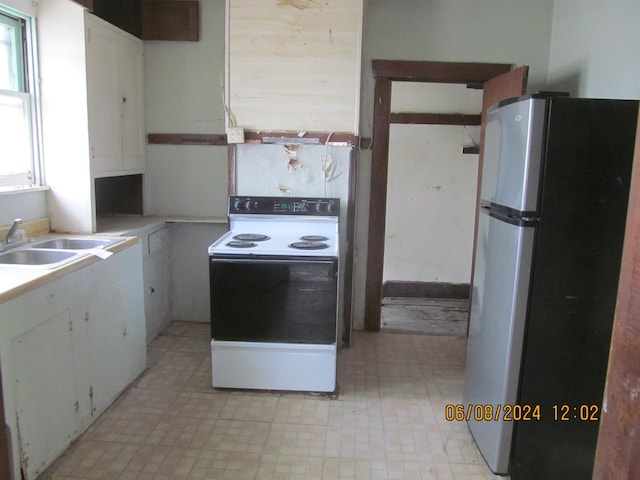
(294, 65)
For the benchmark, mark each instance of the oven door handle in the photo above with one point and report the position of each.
(288, 261)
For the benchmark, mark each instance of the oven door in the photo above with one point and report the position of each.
(274, 299)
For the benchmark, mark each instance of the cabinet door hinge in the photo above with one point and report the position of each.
(76, 406)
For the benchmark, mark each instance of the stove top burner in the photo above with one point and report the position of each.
(241, 244)
(251, 237)
(309, 245)
(314, 238)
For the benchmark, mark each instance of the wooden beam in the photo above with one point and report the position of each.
(438, 72)
(186, 139)
(377, 204)
(435, 118)
(321, 137)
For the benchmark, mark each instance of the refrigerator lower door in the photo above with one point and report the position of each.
(498, 311)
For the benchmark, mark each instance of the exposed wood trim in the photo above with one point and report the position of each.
(350, 233)
(216, 139)
(619, 434)
(186, 139)
(377, 204)
(321, 137)
(436, 118)
(366, 143)
(438, 72)
(410, 289)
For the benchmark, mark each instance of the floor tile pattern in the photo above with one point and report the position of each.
(387, 421)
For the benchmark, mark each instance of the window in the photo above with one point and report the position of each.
(18, 126)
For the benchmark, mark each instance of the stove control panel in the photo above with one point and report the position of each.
(284, 206)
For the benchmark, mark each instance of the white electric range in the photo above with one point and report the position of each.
(274, 295)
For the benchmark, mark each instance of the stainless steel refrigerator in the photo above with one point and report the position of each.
(554, 192)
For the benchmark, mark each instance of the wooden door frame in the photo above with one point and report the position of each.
(385, 72)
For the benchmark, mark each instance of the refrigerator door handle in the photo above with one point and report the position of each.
(509, 215)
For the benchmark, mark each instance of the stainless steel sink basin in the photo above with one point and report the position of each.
(75, 243)
(41, 258)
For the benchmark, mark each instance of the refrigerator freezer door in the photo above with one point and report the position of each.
(512, 154)
(499, 302)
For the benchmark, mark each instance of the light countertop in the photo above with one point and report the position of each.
(16, 280)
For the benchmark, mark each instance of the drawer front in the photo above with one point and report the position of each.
(159, 240)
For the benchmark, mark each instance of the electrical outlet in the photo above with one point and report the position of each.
(235, 135)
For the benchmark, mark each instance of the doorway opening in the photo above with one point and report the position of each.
(386, 72)
(430, 207)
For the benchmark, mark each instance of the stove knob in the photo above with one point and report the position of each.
(247, 205)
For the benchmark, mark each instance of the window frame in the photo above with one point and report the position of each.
(29, 93)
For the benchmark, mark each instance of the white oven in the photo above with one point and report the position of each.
(274, 295)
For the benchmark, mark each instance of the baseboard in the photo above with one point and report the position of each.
(408, 289)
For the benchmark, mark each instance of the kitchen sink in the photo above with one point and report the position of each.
(40, 258)
(75, 243)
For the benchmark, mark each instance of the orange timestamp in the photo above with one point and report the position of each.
(491, 413)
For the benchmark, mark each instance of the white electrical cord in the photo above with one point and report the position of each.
(327, 164)
(232, 120)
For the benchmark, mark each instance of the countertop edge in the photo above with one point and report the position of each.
(38, 277)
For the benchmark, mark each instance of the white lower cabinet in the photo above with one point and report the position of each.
(157, 280)
(67, 350)
(45, 393)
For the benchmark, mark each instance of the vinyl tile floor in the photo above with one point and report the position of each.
(387, 421)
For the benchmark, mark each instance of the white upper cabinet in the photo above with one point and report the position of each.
(115, 98)
(91, 84)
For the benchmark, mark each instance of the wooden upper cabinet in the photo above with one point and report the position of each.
(85, 3)
(170, 20)
(150, 19)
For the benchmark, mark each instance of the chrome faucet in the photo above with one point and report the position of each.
(12, 231)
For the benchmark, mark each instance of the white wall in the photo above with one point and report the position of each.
(183, 95)
(594, 48)
(25, 205)
(23, 6)
(431, 187)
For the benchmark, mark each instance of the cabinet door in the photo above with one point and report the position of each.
(45, 391)
(130, 70)
(157, 272)
(116, 99)
(107, 356)
(104, 104)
